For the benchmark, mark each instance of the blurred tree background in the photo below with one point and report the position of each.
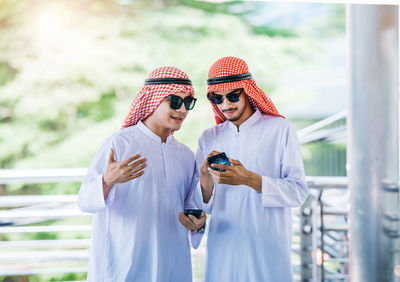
(69, 70)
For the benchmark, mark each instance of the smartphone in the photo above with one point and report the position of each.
(194, 212)
(218, 159)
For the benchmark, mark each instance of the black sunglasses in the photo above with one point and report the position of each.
(232, 97)
(176, 102)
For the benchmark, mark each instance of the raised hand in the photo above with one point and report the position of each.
(120, 172)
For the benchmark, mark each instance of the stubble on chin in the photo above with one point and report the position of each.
(233, 119)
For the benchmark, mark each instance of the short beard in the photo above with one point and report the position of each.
(235, 118)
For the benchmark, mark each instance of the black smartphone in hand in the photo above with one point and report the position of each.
(194, 212)
(221, 158)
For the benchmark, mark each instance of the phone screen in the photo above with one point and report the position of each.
(218, 159)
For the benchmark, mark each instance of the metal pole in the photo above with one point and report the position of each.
(373, 121)
(321, 208)
(308, 236)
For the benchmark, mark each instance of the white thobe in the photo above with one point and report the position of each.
(136, 234)
(249, 236)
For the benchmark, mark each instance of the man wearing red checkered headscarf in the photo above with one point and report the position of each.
(251, 176)
(236, 75)
(138, 185)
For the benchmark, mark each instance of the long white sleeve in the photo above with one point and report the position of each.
(192, 201)
(290, 190)
(91, 197)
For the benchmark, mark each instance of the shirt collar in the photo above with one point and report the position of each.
(142, 127)
(248, 122)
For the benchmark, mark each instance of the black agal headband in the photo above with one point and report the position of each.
(168, 80)
(229, 78)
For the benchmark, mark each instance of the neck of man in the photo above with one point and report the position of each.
(248, 112)
(160, 131)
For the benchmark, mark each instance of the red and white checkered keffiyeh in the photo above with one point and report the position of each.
(150, 96)
(232, 66)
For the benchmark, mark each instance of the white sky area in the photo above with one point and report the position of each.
(381, 2)
(327, 87)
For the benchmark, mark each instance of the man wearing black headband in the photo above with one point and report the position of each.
(250, 198)
(138, 185)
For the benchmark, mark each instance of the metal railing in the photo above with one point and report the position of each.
(324, 231)
(59, 230)
(52, 214)
(320, 130)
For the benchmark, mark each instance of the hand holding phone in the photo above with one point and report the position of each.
(197, 224)
(195, 212)
(218, 159)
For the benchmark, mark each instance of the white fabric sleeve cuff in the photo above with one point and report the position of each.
(99, 197)
(268, 196)
(91, 198)
(111, 195)
(278, 192)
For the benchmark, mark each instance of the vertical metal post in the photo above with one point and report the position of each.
(373, 135)
(308, 239)
(321, 217)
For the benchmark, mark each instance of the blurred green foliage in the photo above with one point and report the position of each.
(70, 69)
(7, 73)
(325, 157)
(273, 31)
